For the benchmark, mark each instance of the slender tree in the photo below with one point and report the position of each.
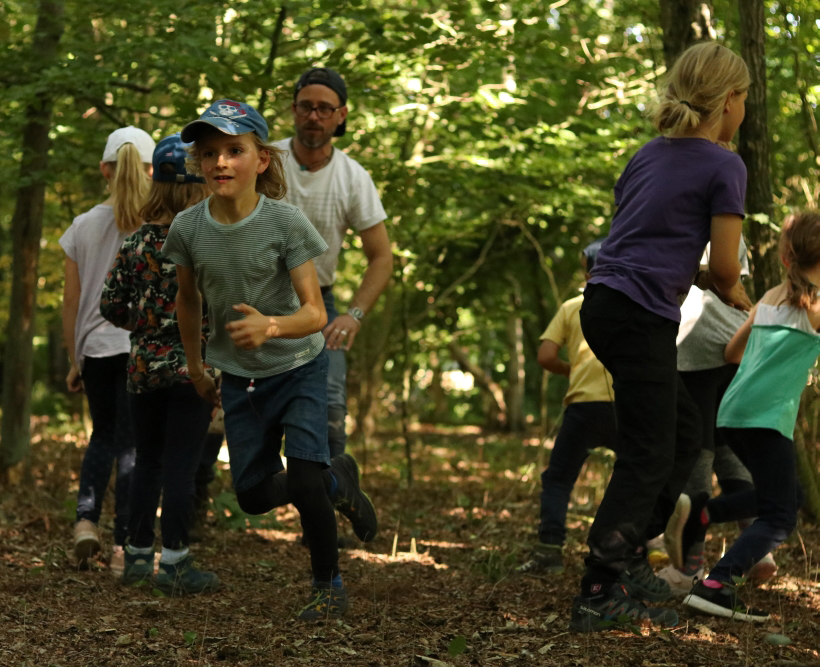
(27, 226)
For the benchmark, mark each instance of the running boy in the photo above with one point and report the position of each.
(252, 258)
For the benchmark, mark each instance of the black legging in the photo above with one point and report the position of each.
(306, 485)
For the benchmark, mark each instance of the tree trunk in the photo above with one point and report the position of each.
(753, 147)
(26, 229)
(684, 22)
(515, 365)
(490, 388)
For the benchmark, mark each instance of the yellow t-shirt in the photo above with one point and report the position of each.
(588, 379)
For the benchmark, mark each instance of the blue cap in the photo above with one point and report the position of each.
(229, 117)
(169, 162)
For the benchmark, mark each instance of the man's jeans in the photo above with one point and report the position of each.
(336, 386)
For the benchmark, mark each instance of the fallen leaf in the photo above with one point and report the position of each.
(124, 640)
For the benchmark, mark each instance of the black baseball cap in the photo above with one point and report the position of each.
(324, 76)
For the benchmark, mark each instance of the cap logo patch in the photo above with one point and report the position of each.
(229, 109)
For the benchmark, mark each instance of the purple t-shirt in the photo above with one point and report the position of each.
(666, 198)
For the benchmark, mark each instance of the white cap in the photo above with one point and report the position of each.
(129, 135)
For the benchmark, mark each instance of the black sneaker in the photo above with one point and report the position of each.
(350, 500)
(641, 582)
(183, 578)
(326, 602)
(138, 568)
(685, 527)
(545, 559)
(613, 609)
(722, 602)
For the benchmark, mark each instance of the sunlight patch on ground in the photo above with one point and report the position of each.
(271, 534)
(400, 557)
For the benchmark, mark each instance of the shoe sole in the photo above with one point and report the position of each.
(673, 535)
(680, 584)
(351, 469)
(702, 605)
(762, 571)
(86, 548)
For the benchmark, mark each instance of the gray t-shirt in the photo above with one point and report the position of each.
(338, 196)
(248, 262)
(707, 324)
(92, 241)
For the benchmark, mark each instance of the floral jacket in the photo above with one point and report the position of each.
(140, 292)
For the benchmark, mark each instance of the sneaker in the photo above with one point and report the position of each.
(136, 568)
(762, 570)
(722, 602)
(545, 559)
(183, 578)
(606, 611)
(679, 583)
(641, 582)
(326, 602)
(685, 527)
(350, 500)
(117, 562)
(86, 541)
(656, 549)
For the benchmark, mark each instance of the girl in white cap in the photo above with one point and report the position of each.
(98, 351)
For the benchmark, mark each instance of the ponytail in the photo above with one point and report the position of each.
(800, 252)
(129, 188)
(697, 86)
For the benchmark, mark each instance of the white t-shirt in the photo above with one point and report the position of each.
(339, 196)
(93, 241)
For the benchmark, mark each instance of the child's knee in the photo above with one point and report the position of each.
(255, 500)
(305, 481)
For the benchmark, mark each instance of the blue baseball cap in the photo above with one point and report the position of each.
(169, 162)
(229, 117)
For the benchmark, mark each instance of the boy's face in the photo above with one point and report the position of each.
(231, 163)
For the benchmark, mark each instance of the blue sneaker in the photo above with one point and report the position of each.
(138, 568)
(326, 603)
(183, 578)
(615, 609)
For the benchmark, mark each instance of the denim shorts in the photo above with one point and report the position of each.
(293, 404)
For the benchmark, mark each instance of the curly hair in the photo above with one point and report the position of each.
(800, 252)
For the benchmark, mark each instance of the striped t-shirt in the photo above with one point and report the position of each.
(248, 262)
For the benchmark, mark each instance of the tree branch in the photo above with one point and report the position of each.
(267, 74)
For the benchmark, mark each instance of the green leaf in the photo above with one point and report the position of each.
(457, 646)
(190, 638)
(266, 563)
(152, 632)
(777, 640)
(157, 593)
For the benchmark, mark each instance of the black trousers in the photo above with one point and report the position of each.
(659, 428)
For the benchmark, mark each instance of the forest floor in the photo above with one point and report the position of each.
(437, 584)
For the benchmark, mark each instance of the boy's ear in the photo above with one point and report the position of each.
(264, 161)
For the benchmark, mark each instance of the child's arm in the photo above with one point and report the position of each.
(737, 346)
(548, 358)
(71, 306)
(724, 266)
(255, 328)
(189, 320)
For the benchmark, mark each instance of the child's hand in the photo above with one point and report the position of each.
(253, 330)
(736, 297)
(73, 380)
(206, 388)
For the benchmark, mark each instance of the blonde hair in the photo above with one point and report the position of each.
(129, 188)
(697, 86)
(166, 199)
(800, 251)
(270, 182)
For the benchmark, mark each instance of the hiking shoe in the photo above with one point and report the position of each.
(326, 602)
(722, 602)
(350, 500)
(762, 570)
(136, 568)
(117, 562)
(614, 608)
(679, 583)
(545, 559)
(641, 582)
(685, 527)
(183, 578)
(86, 541)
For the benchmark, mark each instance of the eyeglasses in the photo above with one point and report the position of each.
(324, 111)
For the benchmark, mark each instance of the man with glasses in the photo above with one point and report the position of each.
(336, 193)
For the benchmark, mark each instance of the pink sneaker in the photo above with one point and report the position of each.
(117, 562)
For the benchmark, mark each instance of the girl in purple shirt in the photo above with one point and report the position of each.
(678, 192)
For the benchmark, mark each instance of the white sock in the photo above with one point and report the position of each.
(173, 556)
(142, 551)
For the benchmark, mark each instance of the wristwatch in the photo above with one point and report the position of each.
(356, 313)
